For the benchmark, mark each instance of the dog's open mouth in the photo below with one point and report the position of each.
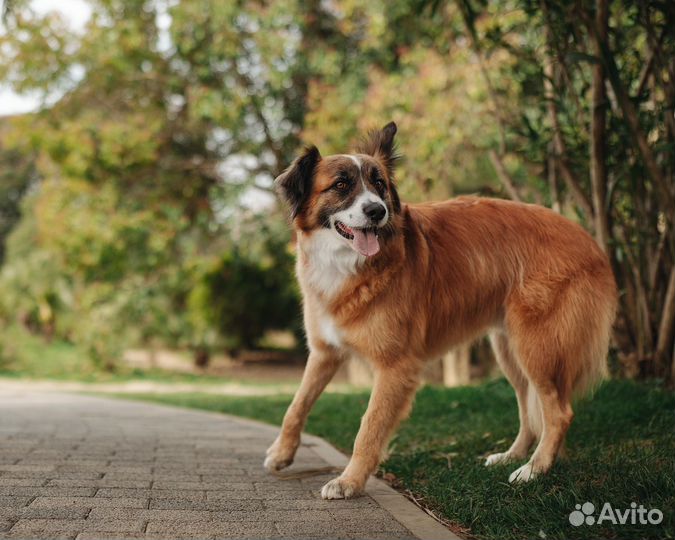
(364, 241)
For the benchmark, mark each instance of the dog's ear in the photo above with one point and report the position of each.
(380, 144)
(295, 183)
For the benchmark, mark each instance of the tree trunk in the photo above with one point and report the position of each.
(667, 328)
(598, 134)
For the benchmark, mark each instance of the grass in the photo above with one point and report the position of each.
(27, 356)
(621, 450)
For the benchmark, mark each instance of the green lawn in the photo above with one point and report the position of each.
(27, 356)
(621, 450)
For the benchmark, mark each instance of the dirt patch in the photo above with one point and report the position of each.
(256, 367)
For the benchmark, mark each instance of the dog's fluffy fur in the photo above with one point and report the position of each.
(417, 279)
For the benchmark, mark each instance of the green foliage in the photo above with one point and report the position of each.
(626, 427)
(243, 297)
(26, 355)
(170, 112)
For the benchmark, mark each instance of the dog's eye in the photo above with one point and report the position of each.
(341, 185)
(379, 184)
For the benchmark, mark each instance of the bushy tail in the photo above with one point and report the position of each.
(594, 369)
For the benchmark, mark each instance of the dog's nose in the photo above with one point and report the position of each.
(375, 211)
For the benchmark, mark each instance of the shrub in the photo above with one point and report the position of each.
(242, 298)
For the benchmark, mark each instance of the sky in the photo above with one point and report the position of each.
(77, 12)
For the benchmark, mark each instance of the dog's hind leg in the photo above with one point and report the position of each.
(390, 402)
(560, 333)
(550, 338)
(557, 416)
(528, 409)
(320, 369)
(547, 359)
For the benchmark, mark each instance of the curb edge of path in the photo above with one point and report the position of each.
(402, 510)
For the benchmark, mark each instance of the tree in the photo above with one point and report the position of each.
(134, 186)
(608, 85)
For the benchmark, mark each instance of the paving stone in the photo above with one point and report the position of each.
(148, 515)
(214, 529)
(188, 495)
(112, 536)
(376, 517)
(26, 468)
(46, 491)
(13, 502)
(211, 506)
(60, 535)
(362, 503)
(318, 516)
(89, 502)
(52, 513)
(227, 486)
(85, 482)
(289, 529)
(24, 482)
(34, 527)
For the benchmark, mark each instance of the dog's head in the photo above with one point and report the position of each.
(353, 195)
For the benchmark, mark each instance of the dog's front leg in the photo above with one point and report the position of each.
(321, 366)
(390, 402)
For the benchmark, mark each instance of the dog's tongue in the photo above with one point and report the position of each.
(365, 242)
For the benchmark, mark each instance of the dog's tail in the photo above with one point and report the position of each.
(594, 372)
(592, 369)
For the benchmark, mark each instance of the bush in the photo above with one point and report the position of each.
(242, 298)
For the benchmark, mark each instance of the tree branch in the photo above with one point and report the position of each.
(467, 16)
(558, 141)
(504, 176)
(247, 83)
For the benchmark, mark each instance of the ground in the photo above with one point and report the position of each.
(83, 467)
(620, 450)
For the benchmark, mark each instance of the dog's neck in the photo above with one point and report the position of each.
(326, 264)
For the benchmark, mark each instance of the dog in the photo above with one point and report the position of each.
(398, 284)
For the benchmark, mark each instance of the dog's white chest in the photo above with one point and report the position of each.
(329, 331)
(329, 262)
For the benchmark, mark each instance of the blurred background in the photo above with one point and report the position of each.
(141, 238)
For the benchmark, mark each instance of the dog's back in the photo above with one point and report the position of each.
(487, 262)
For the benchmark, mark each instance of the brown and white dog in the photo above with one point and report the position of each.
(397, 284)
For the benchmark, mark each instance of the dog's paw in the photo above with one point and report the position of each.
(523, 474)
(273, 463)
(496, 459)
(278, 458)
(340, 488)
